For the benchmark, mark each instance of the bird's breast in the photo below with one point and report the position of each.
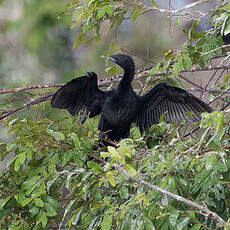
(119, 110)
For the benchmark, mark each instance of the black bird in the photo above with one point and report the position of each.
(226, 38)
(122, 106)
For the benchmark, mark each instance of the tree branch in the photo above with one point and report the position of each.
(40, 86)
(214, 50)
(161, 10)
(203, 210)
(34, 101)
(140, 73)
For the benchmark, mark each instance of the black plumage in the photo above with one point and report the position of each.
(122, 106)
(226, 38)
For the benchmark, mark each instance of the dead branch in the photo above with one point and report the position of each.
(27, 104)
(161, 10)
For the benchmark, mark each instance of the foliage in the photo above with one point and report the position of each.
(50, 158)
(57, 178)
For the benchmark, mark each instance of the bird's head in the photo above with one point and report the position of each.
(124, 61)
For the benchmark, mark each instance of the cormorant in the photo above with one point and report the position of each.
(122, 106)
(226, 38)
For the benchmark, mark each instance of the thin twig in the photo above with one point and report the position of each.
(191, 82)
(224, 107)
(161, 10)
(219, 96)
(27, 104)
(191, 132)
(131, 52)
(214, 50)
(203, 210)
(40, 86)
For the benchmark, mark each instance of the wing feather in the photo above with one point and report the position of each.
(80, 94)
(172, 100)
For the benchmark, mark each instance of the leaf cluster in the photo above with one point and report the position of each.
(56, 178)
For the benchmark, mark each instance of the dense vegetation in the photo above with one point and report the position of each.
(162, 180)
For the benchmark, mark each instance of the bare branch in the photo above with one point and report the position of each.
(224, 107)
(107, 81)
(131, 52)
(203, 210)
(27, 104)
(220, 95)
(192, 83)
(161, 10)
(40, 86)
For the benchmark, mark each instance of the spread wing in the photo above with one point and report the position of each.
(173, 101)
(80, 94)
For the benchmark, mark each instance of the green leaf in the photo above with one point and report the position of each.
(218, 123)
(124, 192)
(37, 227)
(182, 223)
(196, 227)
(155, 69)
(154, 4)
(57, 135)
(192, 32)
(107, 221)
(95, 193)
(111, 70)
(226, 26)
(173, 217)
(13, 227)
(76, 141)
(22, 200)
(114, 153)
(30, 182)
(187, 63)
(51, 201)
(108, 9)
(53, 163)
(66, 211)
(136, 12)
(166, 65)
(19, 161)
(210, 161)
(38, 202)
(79, 40)
(41, 218)
(177, 67)
(34, 211)
(4, 201)
(101, 12)
(111, 178)
(178, 20)
(95, 166)
(147, 224)
(130, 169)
(66, 157)
(11, 161)
(17, 165)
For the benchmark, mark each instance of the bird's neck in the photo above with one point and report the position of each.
(126, 80)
